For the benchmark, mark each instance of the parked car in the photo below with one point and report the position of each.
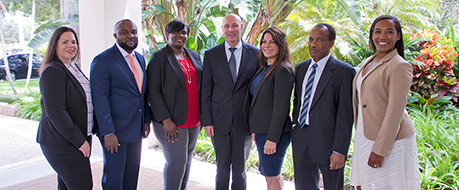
(19, 63)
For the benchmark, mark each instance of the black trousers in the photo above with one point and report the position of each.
(72, 168)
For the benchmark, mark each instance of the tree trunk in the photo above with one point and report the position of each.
(5, 59)
(29, 69)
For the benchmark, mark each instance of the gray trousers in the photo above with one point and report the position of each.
(178, 155)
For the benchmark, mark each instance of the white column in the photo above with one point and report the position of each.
(97, 19)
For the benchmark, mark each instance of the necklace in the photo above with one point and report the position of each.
(184, 54)
(186, 67)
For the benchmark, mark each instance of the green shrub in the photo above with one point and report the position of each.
(29, 106)
(437, 142)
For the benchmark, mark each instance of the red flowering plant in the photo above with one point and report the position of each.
(433, 75)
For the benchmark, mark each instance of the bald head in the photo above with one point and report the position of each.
(117, 24)
(232, 27)
(126, 35)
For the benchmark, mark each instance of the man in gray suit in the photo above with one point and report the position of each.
(227, 71)
(322, 113)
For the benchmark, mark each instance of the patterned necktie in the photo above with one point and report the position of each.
(232, 64)
(307, 96)
(135, 71)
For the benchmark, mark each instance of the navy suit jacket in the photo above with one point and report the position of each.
(330, 115)
(221, 99)
(117, 101)
(166, 85)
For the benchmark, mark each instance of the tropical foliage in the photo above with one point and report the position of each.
(196, 13)
(432, 52)
(438, 147)
(45, 9)
(433, 74)
(200, 15)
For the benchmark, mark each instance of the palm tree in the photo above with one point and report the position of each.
(414, 14)
(352, 20)
(270, 13)
(199, 15)
(311, 12)
(196, 13)
(5, 60)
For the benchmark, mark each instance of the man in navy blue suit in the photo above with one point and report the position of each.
(118, 84)
(322, 113)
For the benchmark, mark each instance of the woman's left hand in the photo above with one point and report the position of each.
(270, 147)
(375, 161)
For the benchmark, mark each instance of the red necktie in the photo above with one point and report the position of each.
(135, 71)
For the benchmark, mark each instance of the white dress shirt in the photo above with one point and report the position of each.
(320, 68)
(237, 54)
(139, 68)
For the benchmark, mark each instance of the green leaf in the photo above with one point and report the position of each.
(221, 39)
(218, 11)
(352, 10)
(72, 19)
(158, 8)
(42, 37)
(209, 25)
(160, 44)
(442, 100)
(50, 24)
(211, 42)
(190, 43)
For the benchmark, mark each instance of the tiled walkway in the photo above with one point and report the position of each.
(23, 167)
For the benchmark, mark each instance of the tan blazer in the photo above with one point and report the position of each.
(384, 94)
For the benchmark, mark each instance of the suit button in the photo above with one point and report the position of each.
(364, 106)
(140, 110)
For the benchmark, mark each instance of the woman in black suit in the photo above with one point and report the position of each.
(67, 119)
(269, 97)
(174, 82)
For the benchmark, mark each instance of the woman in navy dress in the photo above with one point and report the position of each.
(268, 102)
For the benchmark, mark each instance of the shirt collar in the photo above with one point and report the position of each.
(124, 52)
(321, 63)
(238, 46)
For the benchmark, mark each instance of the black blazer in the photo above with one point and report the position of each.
(330, 116)
(269, 111)
(166, 88)
(64, 119)
(221, 99)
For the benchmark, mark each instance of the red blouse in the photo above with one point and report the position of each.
(192, 107)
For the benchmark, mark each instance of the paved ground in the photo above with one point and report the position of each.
(23, 166)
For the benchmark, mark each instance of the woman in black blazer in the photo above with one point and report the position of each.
(174, 83)
(269, 97)
(67, 119)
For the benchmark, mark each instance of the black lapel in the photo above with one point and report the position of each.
(197, 66)
(327, 74)
(174, 64)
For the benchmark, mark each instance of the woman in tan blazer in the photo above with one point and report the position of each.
(385, 152)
